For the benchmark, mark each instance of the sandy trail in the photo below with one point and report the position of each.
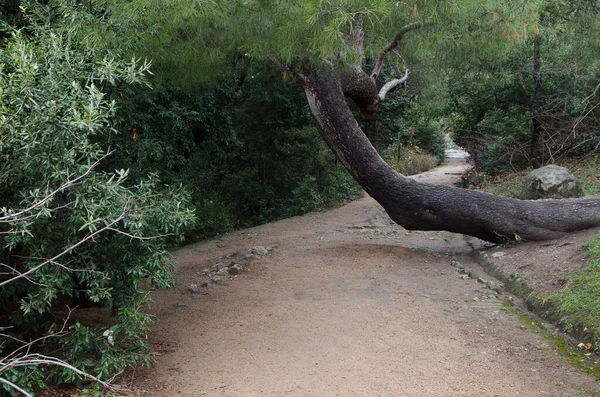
(348, 304)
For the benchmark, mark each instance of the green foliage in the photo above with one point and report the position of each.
(221, 126)
(405, 118)
(245, 150)
(490, 98)
(202, 41)
(400, 121)
(261, 159)
(79, 231)
(153, 131)
(111, 351)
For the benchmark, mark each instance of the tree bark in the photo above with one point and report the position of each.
(423, 206)
(537, 137)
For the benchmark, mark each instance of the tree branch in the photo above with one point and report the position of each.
(39, 359)
(358, 37)
(379, 63)
(21, 357)
(17, 388)
(132, 237)
(66, 251)
(391, 85)
(587, 112)
(11, 217)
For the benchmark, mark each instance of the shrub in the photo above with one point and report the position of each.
(67, 228)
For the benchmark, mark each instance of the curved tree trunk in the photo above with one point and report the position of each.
(422, 206)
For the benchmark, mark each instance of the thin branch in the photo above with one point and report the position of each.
(39, 359)
(28, 345)
(13, 360)
(390, 85)
(358, 37)
(17, 388)
(593, 93)
(66, 251)
(13, 216)
(379, 63)
(586, 100)
(138, 237)
(15, 271)
(11, 337)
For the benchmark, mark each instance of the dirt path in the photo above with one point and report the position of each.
(348, 304)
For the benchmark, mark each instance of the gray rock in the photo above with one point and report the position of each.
(494, 286)
(196, 296)
(239, 261)
(206, 284)
(250, 257)
(551, 182)
(223, 265)
(216, 279)
(224, 271)
(259, 251)
(180, 304)
(235, 269)
(169, 312)
(194, 288)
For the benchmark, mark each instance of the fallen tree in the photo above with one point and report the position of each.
(415, 205)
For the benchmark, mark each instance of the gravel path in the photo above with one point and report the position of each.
(347, 304)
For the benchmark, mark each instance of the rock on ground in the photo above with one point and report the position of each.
(551, 182)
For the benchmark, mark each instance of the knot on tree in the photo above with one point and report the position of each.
(359, 87)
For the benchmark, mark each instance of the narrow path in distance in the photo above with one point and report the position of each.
(347, 304)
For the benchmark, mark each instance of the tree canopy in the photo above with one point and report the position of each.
(202, 40)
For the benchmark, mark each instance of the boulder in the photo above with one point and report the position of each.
(551, 182)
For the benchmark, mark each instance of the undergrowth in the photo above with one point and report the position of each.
(409, 160)
(587, 170)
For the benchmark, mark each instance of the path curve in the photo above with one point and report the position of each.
(347, 304)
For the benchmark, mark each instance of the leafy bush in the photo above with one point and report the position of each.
(246, 150)
(491, 120)
(69, 229)
(260, 159)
